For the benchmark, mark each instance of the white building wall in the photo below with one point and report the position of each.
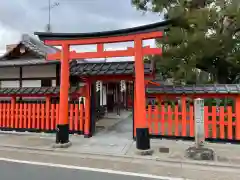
(31, 83)
(9, 72)
(9, 84)
(27, 72)
(39, 71)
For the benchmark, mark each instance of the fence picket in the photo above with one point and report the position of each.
(38, 116)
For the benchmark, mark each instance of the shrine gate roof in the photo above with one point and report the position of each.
(120, 32)
(107, 68)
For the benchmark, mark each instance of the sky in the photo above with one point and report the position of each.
(27, 16)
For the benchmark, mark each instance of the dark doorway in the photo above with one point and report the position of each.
(110, 97)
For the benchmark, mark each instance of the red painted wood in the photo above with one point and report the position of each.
(126, 38)
(105, 54)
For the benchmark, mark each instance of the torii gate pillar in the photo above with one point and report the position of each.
(142, 131)
(62, 136)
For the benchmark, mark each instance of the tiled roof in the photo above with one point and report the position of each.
(37, 46)
(106, 68)
(26, 62)
(196, 89)
(33, 45)
(34, 90)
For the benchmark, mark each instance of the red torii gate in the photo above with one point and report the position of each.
(137, 35)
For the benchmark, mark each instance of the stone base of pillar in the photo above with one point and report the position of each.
(143, 142)
(200, 153)
(87, 136)
(62, 135)
(65, 145)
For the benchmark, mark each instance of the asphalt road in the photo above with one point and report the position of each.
(19, 171)
(24, 164)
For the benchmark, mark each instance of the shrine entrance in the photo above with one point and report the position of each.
(113, 97)
(135, 35)
(112, 107)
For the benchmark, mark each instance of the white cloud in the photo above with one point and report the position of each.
(27, 16)
(8, 36)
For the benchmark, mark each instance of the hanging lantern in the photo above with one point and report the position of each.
(98, 86)
(122, 85)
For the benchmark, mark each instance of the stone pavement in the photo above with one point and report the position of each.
(114, 145)
(114, 139)
(119, 148)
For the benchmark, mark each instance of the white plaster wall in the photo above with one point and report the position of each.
(28, 72)
(9, 84)
(54, 83)
(39, 71)
(9, 72)
(31, 83)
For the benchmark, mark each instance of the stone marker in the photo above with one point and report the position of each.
(199, 152)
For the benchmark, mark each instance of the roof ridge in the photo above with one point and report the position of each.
(101, 62)
(37, 45)
(34, 45)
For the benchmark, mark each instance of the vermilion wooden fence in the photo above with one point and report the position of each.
(39, 116)
(177, 120)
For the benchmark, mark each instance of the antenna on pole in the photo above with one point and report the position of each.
(49, 8)
(49, 16)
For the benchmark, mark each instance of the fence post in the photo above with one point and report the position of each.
(48, 101)
(237, 112)
(13, 102)
(184, 115)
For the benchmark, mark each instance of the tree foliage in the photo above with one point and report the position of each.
(205, 35)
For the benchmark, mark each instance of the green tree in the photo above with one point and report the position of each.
(204, 35)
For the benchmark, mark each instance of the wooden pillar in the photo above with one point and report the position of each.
(93, 108)
(237, 112)
(142, 131)
(87, 111)
(134, 105)
(159, 99)
(62, 136)
(126, 95)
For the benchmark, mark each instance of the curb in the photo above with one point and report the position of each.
(184, 163)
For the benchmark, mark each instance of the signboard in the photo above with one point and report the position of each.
(122, 86)
(98, 86)
(199, 121)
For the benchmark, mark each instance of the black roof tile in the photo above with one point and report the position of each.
(106, 68)
(195, 89)
(34, 90)
(33, 45)
(120, 32)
